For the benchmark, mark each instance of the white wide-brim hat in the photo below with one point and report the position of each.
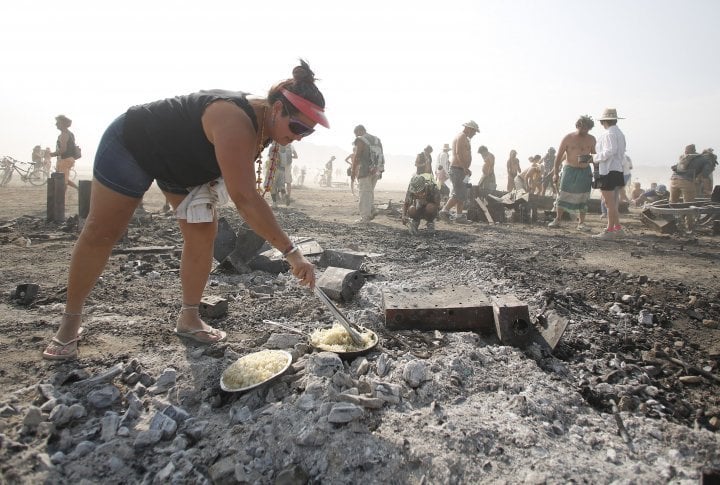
(609, 114)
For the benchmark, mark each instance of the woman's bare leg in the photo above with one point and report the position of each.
(109, 215)
(195, 266)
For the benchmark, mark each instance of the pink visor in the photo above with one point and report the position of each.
(311, 110)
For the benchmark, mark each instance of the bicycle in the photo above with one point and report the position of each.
(32, 174)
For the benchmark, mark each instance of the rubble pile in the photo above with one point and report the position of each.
(628, 395)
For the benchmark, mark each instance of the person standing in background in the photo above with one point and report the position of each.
(610, 155)
(513, 170)
(459, 169)
(575, 184)
(65, 149)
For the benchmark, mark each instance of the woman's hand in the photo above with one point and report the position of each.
(302, 269)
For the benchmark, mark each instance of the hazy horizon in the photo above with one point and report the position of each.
(523, 70)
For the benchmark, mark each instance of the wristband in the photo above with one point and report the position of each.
(293, 249)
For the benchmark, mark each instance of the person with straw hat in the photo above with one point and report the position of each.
(609, 156)
(459, 169)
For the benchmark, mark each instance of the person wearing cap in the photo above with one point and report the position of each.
(459, 169)
(367, 168)
(610, 153)
(513, 170)
(65, 149)
(189, 144)
(422, 201)
(423, 161)
(548, 164)
(575, 184)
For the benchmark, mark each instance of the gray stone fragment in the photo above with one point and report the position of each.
(283, 341)
(47, 406)
(62, 414)
(9, 410)
(387, 392)
(109, 424)
(364, 401)
(147, 438)
(104, 397)
(383, 365)
(58, 458)
(292, 475)
(134, 409)
(195, 428)
(32, 419)
(343, 380)
(146, 379)
(325, 364)
(132, 379)
(46, 391)
(360, 366)
(164, 382)
(305, 402)
(415, 373)
(240, 414)
(176, 413)
(223, 470)
(82, 449)
(163, 476)
(123, 431)
(165, 424)
(343, 412)
(310, 436)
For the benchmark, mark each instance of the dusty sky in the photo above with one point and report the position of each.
(412, 74)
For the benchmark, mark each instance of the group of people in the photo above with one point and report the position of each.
(209, 142)
(567, 173)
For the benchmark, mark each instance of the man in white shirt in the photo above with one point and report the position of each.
(610, 155)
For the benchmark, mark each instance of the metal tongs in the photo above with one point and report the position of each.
(350, 327)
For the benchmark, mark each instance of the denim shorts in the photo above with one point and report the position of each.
(117, 169)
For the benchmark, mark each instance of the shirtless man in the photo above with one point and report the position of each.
(532, 176)
(513, 170)
(576, 181)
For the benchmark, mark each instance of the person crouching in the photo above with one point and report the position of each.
(422, 201)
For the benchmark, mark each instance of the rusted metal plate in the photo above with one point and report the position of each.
(453, 308)
(658, 224)
(552, 327)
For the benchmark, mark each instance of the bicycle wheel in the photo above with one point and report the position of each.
(37, 178)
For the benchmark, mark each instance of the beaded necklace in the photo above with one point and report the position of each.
(274, 158)
(258, 159)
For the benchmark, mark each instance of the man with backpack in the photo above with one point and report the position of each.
(368, 164)
(66, 150)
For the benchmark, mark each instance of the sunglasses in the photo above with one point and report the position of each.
(299, 128)
(296, 126)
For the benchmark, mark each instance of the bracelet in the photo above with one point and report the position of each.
(293, 249)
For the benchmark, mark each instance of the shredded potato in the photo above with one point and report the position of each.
(336, 339)
(254, 368)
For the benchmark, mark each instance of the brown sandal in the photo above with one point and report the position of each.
(214, 335)
(63, 354)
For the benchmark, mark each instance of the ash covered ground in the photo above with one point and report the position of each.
(618, 400)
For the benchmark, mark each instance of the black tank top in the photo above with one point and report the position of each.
(166, 137)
